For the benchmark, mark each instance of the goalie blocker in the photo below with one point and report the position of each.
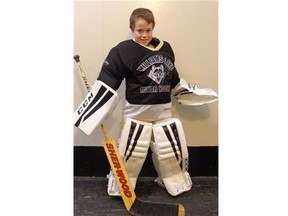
(97, 105)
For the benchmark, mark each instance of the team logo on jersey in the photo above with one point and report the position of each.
(157, 74)
(157, 67)
(156, 59)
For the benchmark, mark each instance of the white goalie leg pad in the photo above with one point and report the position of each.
(170, 156)
(133, 148)
(97, 105)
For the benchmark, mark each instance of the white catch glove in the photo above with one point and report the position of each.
(191, 95)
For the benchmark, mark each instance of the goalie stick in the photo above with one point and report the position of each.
(132, 204)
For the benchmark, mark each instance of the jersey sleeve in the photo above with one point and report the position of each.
(175, 74)
(112, 71)
(175, 78)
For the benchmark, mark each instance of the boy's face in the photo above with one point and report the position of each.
(143, 32)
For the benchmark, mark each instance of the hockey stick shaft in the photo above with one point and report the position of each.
(83, 75)
(114, 158)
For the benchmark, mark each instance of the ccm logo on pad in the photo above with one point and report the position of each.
(92, 104)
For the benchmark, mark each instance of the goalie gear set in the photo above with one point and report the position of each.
(150, 75)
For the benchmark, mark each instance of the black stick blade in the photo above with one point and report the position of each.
(142, 208)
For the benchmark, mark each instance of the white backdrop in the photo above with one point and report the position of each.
(191, 27)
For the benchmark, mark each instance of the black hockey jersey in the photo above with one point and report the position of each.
(150, 73)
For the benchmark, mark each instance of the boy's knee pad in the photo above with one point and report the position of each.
(170, 156)
(133, 146)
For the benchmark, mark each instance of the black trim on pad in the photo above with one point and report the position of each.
(92, 161)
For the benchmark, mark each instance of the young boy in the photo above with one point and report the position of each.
(147, 65)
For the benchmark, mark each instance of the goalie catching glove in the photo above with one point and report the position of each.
(191, 95)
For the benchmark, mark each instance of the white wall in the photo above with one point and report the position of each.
(191, 27)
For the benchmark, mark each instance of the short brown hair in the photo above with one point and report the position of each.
(143, 13)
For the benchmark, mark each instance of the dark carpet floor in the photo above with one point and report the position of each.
(91, 198)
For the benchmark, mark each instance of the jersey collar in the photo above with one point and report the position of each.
(154, 45)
